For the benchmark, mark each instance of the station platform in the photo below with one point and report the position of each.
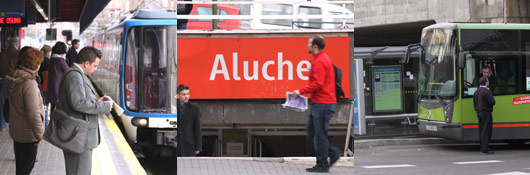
(113, 156)
(258, 166)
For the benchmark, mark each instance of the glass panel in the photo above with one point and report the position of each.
(131, 72)
(490, 40)
(154, 68)
(505, 74)
(525, 41)
(314, 23)
(437, 69)
(277, 9)
(387, 88)
(208, 11)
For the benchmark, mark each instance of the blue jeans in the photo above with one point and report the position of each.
(3, 90)
(317, 129)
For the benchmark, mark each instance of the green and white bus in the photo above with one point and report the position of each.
(452, 58)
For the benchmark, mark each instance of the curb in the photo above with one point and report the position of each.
(342, 162)
(359, 144)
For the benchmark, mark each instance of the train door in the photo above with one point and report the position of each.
(149, 64)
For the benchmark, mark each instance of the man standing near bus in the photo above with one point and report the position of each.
(322, 89)
(483, 101)
(189, 137)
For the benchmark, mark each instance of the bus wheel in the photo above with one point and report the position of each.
(516, 142)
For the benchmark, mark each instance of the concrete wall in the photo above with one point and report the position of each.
(244, 113)
(384, 12)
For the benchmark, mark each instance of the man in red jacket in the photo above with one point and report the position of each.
(322, 89)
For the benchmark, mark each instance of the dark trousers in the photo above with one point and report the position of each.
(317, 129)
(25, 155)
(485, 126)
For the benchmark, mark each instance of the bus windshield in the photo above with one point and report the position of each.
(437, 65)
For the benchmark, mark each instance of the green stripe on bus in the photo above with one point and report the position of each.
(495, 26)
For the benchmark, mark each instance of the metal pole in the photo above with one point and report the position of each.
(214, 12)
(348, 134)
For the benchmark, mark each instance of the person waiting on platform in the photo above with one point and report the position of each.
(77, 99)
(72, 53)
(56, 67)
(189, 137)
(8, 61)
(26, 110)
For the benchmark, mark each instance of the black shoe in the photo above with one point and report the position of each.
(488, 152)
(333, 160)
(317, 170)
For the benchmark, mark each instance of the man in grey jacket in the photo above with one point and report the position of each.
(77, 97)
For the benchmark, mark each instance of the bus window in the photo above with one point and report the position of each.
(505, 72)
(277, 9)
(490, 40)
(314, 23)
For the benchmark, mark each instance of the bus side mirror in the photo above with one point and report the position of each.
(461, 60)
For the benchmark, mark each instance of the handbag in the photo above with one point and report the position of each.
(66, 132)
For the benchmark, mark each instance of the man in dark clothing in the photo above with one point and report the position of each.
(72, 53)
(483, 101)
(189, 137)
(322, 89)
(183, 9)
(8, 63)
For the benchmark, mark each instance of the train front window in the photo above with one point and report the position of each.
(437, 69)
(146, 80)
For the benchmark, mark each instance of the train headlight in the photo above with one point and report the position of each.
(140, 122)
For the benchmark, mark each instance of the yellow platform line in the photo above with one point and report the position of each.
(128, 154)
(102, 161)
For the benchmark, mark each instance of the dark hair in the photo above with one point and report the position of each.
(182, 87)
(319, 41)
(75, 41)
(22, 52)
(89, 54)
(483, 81)
(31, 58)
(59, 48)
(46, 49)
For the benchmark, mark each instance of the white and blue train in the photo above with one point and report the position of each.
(138, 70)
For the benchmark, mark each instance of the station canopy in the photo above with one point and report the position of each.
(82, 11)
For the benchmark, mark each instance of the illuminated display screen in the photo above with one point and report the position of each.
(12, 22)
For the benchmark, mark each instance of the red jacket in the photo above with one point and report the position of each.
(321, 80)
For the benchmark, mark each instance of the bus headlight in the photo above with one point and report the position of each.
(140, 122)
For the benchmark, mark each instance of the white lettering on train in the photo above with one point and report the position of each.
(303, 66)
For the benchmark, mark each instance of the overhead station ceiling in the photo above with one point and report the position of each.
(82, 11)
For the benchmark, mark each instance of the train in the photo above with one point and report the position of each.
(136, 70)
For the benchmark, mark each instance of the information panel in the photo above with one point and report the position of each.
(387, 89)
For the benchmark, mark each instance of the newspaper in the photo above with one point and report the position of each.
(297, 104)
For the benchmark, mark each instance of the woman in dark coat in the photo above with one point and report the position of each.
(56, 67)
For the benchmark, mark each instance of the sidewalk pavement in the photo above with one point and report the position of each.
(258, 166)
(51, 159)
(112, 156)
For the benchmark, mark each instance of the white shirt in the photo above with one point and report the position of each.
(79, 67)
